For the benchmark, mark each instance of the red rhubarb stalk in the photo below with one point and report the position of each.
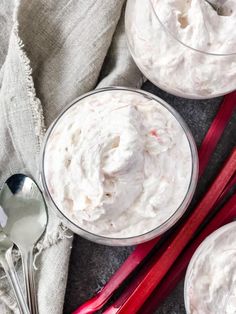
(136, 280)
(138, 255)
(182, 238)
(225, 215)
(216, 129)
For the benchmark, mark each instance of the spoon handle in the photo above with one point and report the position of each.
(9, 269)
(27, 261)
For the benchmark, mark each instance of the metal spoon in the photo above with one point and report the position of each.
(26, 219)
(6, 261)
(219, 7)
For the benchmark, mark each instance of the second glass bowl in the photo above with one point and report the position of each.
(71, 223)
(171, 64)
(209, 278)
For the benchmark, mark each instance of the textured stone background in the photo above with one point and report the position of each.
(91, 264)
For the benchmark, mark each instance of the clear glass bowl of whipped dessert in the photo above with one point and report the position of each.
(210, 282)
(184, 46)
(119, 166)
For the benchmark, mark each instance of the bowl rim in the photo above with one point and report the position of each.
(166, 29)
(167, 224)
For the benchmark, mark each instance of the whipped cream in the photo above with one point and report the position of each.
(171, 65)
(118, 163)
(210, 286)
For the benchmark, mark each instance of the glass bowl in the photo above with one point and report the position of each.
(204, 248)
(71, 224)
(174, 65)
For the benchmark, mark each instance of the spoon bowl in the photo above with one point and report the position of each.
(24, 220)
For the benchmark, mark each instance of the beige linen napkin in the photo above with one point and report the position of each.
(51, 52)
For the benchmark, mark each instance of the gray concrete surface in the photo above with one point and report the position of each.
(91, 264)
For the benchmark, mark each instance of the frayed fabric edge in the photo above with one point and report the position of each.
(37, 111)
(51, 239)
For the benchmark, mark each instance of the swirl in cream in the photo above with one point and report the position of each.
(118, 163)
